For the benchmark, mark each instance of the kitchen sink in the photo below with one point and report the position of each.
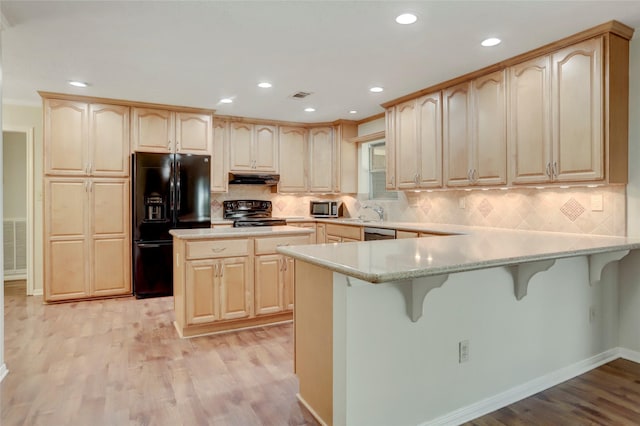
(358, 220)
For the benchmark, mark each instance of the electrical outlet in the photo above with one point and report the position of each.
(463, 351)
(592, 314)
(462, 203)
(597, 203)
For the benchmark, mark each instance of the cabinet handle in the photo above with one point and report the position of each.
(281, 268)
(90, 168)
(555, 169)
(547, 171)
(283, 245)
(218, 249)
(169, 145)
(86, 187)
(474, 175)
(215, 270)
(221, 270)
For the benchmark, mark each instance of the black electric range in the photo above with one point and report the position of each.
(247, 213)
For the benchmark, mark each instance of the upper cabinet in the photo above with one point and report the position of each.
(558, 114)
(219, 156)
(418, 153)
(84, 139)
(556, 131)
(475, 132)
(293, 159)
(253, 148)
(322, 159)
(164, 131)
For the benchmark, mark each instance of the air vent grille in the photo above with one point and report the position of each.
(300, 95)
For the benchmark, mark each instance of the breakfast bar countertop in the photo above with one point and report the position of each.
(471, 248)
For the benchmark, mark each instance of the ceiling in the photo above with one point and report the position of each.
(195, 53)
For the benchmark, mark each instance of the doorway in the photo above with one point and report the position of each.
(18, 220)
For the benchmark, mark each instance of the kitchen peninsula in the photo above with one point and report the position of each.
(514, 312)
(229, 278)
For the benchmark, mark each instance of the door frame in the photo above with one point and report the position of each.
(29, 140)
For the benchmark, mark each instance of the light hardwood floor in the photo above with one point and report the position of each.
(120, 362)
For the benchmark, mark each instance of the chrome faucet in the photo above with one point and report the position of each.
(378, 209)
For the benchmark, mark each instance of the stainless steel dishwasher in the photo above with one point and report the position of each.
(371, 234)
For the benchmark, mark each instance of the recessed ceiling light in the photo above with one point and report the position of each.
(226, 101)
(264, 85)
(376, 89)
(309, 109)
(77, 83)
(406, 18)
(353, 111)
(490, 42)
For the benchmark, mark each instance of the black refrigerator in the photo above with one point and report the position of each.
(168, 191)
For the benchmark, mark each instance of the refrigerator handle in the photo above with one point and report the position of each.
(178, 176)
(171, 191)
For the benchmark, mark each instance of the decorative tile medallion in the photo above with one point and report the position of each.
(485, 207)
(572, 209)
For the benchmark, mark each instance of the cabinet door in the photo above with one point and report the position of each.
(321, 233)
(457, 135)
(577, 86)
(268, 284)
(152, 130)
(321, 159)
(109, 140)
(406, 140)
(111, 248)
(489, 130)
(429, 143)
(201, 291)
(193, 133)
(390, 149)
(530, 121)
(288, 278)
(219, 158)
(235, 283)
(406, 234)
(333, 239)
(265, 151)
(66, 260)
(293, 159)
(240, 143)
(65, 138)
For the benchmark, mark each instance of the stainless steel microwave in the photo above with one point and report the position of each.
(325, 208)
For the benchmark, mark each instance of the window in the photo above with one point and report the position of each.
(377, 173)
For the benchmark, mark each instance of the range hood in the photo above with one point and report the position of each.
(253, 179)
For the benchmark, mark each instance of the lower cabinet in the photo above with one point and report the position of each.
(338, 233)
(269, 284)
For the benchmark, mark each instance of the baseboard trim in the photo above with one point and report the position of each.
(311, 410)
(3, 371)
(38, 292)
(532, 387)
(629, 355)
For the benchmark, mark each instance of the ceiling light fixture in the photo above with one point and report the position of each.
(376, 89)
(226, 101)
(353, 111)
(78, 83)
(264, 85)
(490, 42)
(309, 109)
(406, 19)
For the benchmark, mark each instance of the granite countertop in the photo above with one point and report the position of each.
(256, 231)
(473, 248)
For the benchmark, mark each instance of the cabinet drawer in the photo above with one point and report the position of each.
(218, 248)
(269, 245)
(353, 232)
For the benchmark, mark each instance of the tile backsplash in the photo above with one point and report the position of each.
(600, 210)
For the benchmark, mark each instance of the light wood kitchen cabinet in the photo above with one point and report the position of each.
(308, 225)
(87, 242)
(390, 149)
(338, 233)
(577, 119)
(345, 168)
(165, 131)
(474, 121)
(556, 129)
(406, 234)
(322, 161)
(273, 274)
(418, 147)
(220, 157)
(530, 121)
(293, 159)
(83, 139)
(235, 294)
(253, 148)
(321, 233)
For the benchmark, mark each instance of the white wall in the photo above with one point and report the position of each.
(14, 151)
(511, 342)
(21, 116)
